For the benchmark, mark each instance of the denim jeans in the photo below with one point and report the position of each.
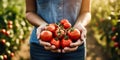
(37, 52)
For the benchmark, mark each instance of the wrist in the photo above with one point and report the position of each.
(42, 24)
(77, 25)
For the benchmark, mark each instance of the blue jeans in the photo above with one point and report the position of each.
(37, 52)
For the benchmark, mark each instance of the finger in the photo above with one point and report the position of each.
(38, 32)
(68, 49)
(77, 43)
(83, 35)
(38, 36)
(43, 43)
(47, 48)
(57, 50)
(63, 51)
(53, 47)
(39, 29)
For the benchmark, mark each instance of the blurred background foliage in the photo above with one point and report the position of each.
(105, 22)
(14, 28)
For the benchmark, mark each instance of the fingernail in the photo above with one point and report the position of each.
(38, 37)
(53, 47)
(59, 51)
(65, 48)
(48, 44)
(70, 44)
(63, 51)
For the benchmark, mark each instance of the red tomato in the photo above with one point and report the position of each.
(56, 26)
(114, 38)
(67, 25)
(12, 54)
(51, 27)
(113, 29)
(116, 44)
(7, 33)
(9, 22)
(55, 42)
(3, 41)
(5, 57)
(74, 34)
(46, 35)
(59, 33)
(3, 31)
(64, 21)
(10, 26)
(66, 42)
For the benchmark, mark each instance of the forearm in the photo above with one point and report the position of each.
(34, 19)
(83, 19)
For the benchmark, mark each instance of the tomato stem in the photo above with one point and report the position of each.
(66, 37)
(72, 29)
(56, 38)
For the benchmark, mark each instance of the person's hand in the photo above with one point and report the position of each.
(74, 45)
(46, 45)
(83, 31)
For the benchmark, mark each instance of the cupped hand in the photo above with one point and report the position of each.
(74, 45)
(83, 31)
(50, 47)
(46, 45)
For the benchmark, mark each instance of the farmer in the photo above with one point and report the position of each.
(39, 13)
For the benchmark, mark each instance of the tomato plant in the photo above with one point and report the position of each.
(107, 20)
(14, 28)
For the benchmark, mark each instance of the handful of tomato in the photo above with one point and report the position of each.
(61, 35)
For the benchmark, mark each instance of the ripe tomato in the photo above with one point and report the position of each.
(7, 33)
(66, 42)
(5, 57)
(114, 38)
(59, 33)
(3, 41)
(10, 26)
(46, 35)
(55, 42)
(9, 22)
(113, 29)
(51, 27)
(64, 21)
(74, 34)
(67, 25)
(116, 44)
(12, 54)
(3, 31)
